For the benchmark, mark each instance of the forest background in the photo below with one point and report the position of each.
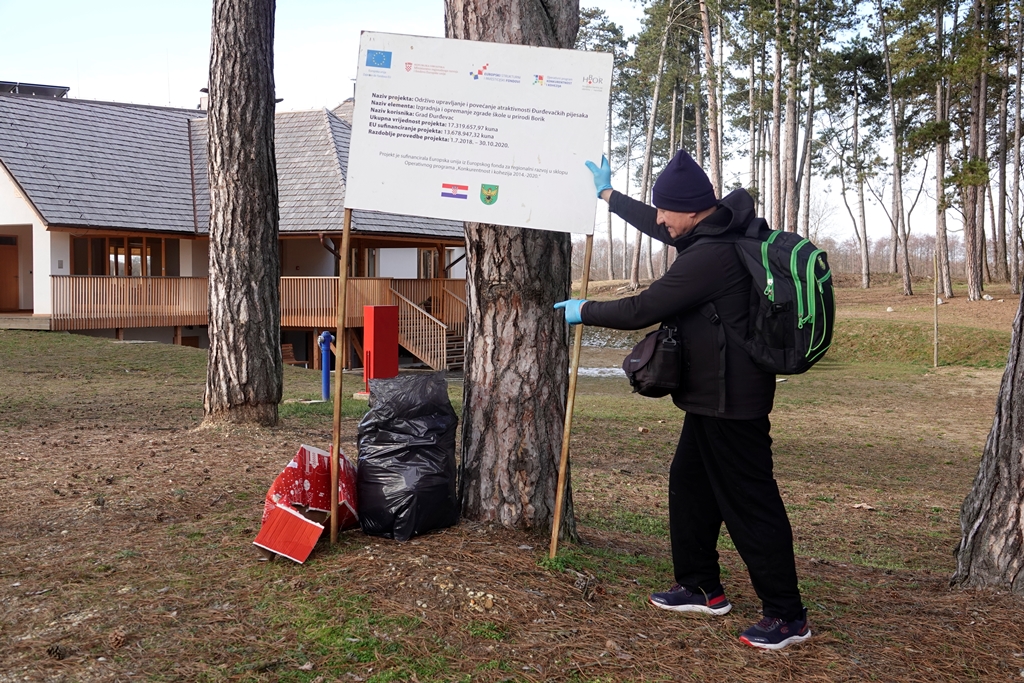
(849, 122)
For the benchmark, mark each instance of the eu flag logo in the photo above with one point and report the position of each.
(378, 58)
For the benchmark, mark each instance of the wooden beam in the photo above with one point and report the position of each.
(336, 433)
(563, 463)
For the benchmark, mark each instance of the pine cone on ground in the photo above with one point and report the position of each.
(57, 651)
(116, 638)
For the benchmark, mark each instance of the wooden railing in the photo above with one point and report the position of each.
(85, 302)
(456, 307)
(421, 333)
(428, 309)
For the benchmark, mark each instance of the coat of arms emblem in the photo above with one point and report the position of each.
(488, 194)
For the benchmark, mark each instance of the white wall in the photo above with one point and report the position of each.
(458, 271)
(398, 263)
(305, 258)
(17, 217)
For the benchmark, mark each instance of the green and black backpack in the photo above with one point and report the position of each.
(792, 303)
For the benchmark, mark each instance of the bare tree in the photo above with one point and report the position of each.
(243, 382)
(516, 348)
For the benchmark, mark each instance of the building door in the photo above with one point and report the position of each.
(8, 273)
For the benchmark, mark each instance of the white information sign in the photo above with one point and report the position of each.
(478, 132)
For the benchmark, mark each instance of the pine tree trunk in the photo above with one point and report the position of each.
(629, 158)
(645, 174)
(899, 244)
(792, 137)
(610, 264)
(762, 162)
(243, 382)
(698, 115)
(941, 239)
(805, 183)
(1001, 274)
(776, 153)
(991, 551)
(517, 346)
(751, 120)
(974, 203)
(803, 180)
(714, 134)
(1015, 213)
(865, 245)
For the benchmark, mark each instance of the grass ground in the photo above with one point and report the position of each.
(125, 531)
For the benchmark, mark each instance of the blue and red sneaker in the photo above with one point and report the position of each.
(681, 599)
(772, 633)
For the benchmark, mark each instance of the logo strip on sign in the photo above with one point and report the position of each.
(380, 59)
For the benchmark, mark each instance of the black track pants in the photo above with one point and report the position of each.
(722, 471)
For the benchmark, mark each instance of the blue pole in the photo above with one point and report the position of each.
(325, 340)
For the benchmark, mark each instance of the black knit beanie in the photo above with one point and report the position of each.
(683, 186)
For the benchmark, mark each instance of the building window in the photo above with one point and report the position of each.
(427, 264)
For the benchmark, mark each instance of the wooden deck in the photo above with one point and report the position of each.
(431, 312)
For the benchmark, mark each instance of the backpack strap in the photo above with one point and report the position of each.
(755, 227)
(709, 311)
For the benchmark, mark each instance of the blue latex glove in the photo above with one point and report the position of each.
(572, 310)
(602, 175)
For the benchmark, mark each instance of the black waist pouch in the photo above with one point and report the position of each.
(655, 365)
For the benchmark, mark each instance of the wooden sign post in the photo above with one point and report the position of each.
(570, 404)
(338, 365)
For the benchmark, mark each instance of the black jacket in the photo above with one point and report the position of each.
(720, 379)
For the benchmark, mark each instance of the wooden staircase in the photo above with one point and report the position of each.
(455, 351)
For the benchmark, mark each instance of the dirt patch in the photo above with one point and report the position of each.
(125, 540)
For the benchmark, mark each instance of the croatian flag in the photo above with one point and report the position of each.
(453, 191)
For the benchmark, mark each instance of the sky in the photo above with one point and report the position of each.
(157, 53)
(149, 52)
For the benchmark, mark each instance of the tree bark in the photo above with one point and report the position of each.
(243, 381)
(865, 246)
(714, 133)
(645, 174)
(899, 244)
(751, 120)
(610, 264)
(517, 350)
(991, 551)
(1015, 214)
(974, 204)
(1001, 274)
(941, 239)
(777, 215)
(698, 114)
(792, 129)
(762, 162)
(629, 158)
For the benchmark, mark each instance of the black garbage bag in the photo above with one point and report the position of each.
(406, 477)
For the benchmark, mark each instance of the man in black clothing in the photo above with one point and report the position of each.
(722, 470)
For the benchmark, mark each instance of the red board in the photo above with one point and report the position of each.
(380, 342)
(288, 533)
(305, 487)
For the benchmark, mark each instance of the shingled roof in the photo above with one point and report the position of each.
(100, 164)
(107, 165)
